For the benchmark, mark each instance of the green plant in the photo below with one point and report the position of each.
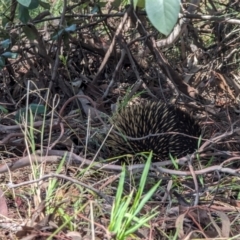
(125, 219)
(6, 44)
(162, 14)
(25, 6)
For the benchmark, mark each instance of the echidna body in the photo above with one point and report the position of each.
(157, 119)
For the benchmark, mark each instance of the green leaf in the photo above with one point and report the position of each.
(5, 21)
(119, 218)
(95, 9)
(30, 4)
(23, 14)
(71, 28)
(136, 205)
(116, 4)
(9, 55)
(85, 4)
(139, 3)
(147, 197)
(35, 109)
(34, 4)
(144, 176)
(118, 198)
(138, 225)
(123, 221)
(102, 4)
(199, 141)
(58, 34)
(173, 161)
(6, 43)
(29, 32)
(25, 3)
(2, 62)
(120, 205)
(44, 5)
(163, 14)
(3, 109)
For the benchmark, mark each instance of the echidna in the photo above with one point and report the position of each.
(154, 118)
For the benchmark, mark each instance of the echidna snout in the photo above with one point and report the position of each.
(154, 118)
